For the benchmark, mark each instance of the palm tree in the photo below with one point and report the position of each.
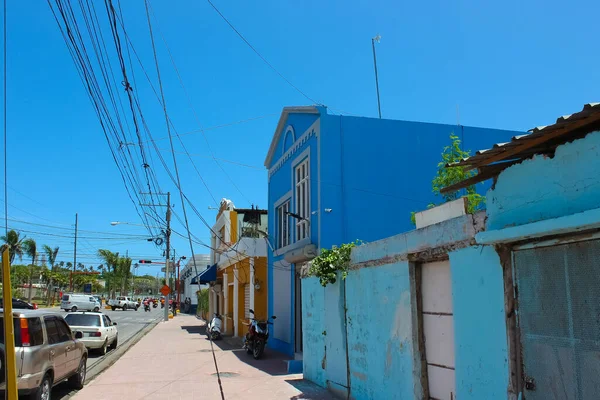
(111, 260)
(15, 244)
(51, 253)
(30, 248)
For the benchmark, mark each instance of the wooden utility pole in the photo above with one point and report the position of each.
(168, 252)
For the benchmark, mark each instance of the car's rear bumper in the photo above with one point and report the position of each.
(26, 383)
(93, 343)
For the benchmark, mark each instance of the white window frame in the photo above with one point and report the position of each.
(301, 171)
(283, 220)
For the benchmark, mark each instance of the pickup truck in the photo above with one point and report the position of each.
(123, 303)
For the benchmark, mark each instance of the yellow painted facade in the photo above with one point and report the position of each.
(240, 272)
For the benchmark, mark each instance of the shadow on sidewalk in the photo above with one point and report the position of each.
(272, 362)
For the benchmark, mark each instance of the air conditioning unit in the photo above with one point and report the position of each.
(302, 254)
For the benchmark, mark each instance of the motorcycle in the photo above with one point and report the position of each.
(154, 305)
(257, 336)
(213, 330)
(146, 307)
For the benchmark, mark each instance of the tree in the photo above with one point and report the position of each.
(446, 176)
(111, 261)
(14, 242)
(30, 248)
(51, 253)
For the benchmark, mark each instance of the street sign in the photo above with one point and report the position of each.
(165, 290)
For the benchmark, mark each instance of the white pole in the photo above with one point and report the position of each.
(235, 301)
(225, 300)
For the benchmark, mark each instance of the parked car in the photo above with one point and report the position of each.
(75, 302)
(124, 303)
(99, 332)
(20, 304)
(47, 353)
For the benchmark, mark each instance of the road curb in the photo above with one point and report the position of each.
(113, 357)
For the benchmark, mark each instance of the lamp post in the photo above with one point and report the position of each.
(378, 40)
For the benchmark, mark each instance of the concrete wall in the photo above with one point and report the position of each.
(381, 324)
(544, 188)
(479, 324)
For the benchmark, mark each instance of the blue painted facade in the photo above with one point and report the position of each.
(366, 176)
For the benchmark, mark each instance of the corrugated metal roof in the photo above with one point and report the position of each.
(540, 140)
(482, 156)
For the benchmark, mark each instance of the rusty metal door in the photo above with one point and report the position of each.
(558, 315)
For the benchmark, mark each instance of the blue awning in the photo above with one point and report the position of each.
(206, 276)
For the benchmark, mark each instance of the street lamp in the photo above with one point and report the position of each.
(378, 40)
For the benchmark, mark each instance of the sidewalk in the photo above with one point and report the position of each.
(174, 362)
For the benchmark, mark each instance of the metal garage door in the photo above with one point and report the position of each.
(559, 320)
(247, 301)
(438, 328)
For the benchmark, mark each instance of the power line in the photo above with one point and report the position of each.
(178, 179)
(260, 55)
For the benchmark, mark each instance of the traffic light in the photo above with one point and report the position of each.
(145, 262)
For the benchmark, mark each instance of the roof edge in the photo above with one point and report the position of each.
(280, 125)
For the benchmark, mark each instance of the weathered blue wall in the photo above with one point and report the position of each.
(480, 336)
(313, 332)
(544, 188)
(380, 332)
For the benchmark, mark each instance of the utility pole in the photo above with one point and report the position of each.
(168, 252)
(74, 251)
(376, 38)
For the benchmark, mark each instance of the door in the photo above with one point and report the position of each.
(68, 340)
(111, 330)
(58, 353)
(558, 292)
(247, 302)
(298, 313)
(438, 329)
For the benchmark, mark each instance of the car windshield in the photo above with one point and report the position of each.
(83, 320)
(16, 322)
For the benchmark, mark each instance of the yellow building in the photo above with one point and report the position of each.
(239, 255)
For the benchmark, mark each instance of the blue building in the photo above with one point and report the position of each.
(335, 179)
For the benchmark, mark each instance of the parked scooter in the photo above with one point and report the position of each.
(213, 330)
(257, 336)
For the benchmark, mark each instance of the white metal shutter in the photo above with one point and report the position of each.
(247, 301)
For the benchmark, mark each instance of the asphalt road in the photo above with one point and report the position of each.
(129, 323)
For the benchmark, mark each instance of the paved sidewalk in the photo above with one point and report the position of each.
(174, 362)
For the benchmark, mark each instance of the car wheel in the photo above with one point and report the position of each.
(114, 308)
(73, 308)
(114, 344)
(124, 307)
(104, 348)
(96, 309)
(44, 391)
(78, 379)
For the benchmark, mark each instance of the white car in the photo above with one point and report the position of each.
(99, 332)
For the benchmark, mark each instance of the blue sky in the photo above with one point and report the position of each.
(509, 65)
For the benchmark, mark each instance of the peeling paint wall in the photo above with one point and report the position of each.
(545, 188)
(380, 332)
(313, 331)
(479, 324)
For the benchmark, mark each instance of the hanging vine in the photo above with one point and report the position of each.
(330, 262)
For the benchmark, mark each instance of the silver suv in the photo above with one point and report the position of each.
(47, 351)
